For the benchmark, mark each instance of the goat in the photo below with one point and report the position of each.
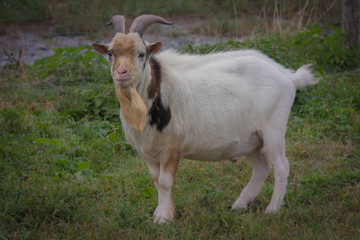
(202, 107)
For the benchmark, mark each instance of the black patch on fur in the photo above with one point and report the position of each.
(154, 86)
(159, 115)
(119, 104)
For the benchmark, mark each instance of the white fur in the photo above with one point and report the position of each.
(223, 106)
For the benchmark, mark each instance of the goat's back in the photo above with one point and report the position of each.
(220, 98)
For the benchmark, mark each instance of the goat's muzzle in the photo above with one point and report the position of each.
(121, 74)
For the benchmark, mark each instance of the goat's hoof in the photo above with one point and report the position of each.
(240, 205)
(161, 220)
(161, 216)
(238, 208)
(271, 209)
(164, 214)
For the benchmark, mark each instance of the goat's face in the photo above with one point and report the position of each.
(128, 55)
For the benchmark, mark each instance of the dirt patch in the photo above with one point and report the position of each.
(34, 42)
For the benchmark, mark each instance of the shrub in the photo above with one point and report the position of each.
(73, 65)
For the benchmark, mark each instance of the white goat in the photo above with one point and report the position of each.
(206, 107)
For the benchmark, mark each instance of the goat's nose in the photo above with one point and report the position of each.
(122, 70)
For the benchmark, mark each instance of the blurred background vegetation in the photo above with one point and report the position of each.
(231, 17)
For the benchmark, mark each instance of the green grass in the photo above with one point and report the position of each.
(67, 171)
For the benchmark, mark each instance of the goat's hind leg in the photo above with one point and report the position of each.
(274, 151)
(260, 171)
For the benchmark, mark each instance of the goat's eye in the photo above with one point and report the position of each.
(109, 53)
(141, 55)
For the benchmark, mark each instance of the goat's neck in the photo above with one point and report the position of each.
(143, 84)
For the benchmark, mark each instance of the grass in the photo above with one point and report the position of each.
(68, 172)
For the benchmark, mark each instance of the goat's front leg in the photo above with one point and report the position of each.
(154, 168)
(165, 211)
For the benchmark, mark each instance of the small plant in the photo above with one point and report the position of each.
(93, 102)
(73, 65)
(324, 45)
(312, 45)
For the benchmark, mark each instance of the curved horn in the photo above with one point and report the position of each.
(142, 22)
(119, 23)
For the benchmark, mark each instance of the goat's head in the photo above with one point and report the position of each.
(128, 53)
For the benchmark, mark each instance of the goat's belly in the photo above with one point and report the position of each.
(231, 150)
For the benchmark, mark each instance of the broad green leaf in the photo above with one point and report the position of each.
(83, 165)
(113, 137)
(43, 140)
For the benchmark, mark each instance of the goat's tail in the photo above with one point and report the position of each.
(303, 77)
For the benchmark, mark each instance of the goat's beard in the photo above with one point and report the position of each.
(132, 107)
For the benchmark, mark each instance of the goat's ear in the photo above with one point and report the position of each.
(153, 48)
(100, 48)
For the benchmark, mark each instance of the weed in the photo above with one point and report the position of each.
(72, 65)
(324, 51)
